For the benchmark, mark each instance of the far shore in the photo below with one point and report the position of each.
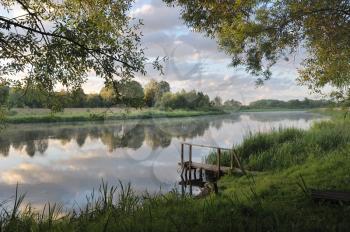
(27, 115)
(38, 115)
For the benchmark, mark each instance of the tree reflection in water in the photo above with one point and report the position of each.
(157, 133)
(34, 138)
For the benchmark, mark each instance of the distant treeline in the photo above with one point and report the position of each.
(132, 94)
(291, 104)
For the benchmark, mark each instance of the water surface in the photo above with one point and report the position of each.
(64, 162)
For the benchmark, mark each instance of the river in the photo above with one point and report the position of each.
(62, 163)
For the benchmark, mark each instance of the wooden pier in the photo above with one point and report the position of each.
(187, 167)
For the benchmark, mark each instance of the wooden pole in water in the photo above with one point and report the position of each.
(219, 161)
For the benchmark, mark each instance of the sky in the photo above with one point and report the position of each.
(195, 62)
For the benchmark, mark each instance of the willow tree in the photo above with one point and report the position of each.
(257, 33)
(54, 43)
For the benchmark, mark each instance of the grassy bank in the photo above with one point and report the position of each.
(270, 109)
(290, 161)
(99, 114)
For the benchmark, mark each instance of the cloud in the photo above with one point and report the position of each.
(157, 16)
(196, 62)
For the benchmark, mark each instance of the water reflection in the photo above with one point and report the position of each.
(128, 134)
(63, 162)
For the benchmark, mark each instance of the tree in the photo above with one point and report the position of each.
(217, 101)
(184, 100)
(150, 93)
(108, 95)
(4, 94)
(132, 94)
(94, 101)
(154, 91)
(162, 88)
(61, 41)
(259, 33)
(15, 98)
(232, 103)
(78, 98)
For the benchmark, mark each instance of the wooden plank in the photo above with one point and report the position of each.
(210, 167)
(331, 195)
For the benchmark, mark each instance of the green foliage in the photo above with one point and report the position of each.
(4, 94)
(129, 93)
(259, 33)
(286, 148)
(233, 104)
(78, 98)
(291, 104)
(132, 94)
(59, 42)
(93, 101)
(217, 101)
(108, 94)
(184, 100)
(154, 91)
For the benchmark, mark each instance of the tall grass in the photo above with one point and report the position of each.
(284, 148)
(118, 208)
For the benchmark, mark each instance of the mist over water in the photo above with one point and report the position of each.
(63, 162)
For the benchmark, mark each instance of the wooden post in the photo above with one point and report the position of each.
(191, 192)
(219, 161)
(231, 159)
(182, 156)
(190, 161)
(239, 162)
(190, 168)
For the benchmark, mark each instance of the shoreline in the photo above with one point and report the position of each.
(98, 117)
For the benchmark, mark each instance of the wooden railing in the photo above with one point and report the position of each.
(233, 156)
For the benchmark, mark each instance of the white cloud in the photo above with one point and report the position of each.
(195, 62)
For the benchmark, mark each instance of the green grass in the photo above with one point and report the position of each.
(270, 109)
(98, 114)
(290, 161)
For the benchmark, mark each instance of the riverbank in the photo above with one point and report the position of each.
(99, 114)
(290, 163)
(27, 115)
(273, 109)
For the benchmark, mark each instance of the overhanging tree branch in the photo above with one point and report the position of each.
(45, 33)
